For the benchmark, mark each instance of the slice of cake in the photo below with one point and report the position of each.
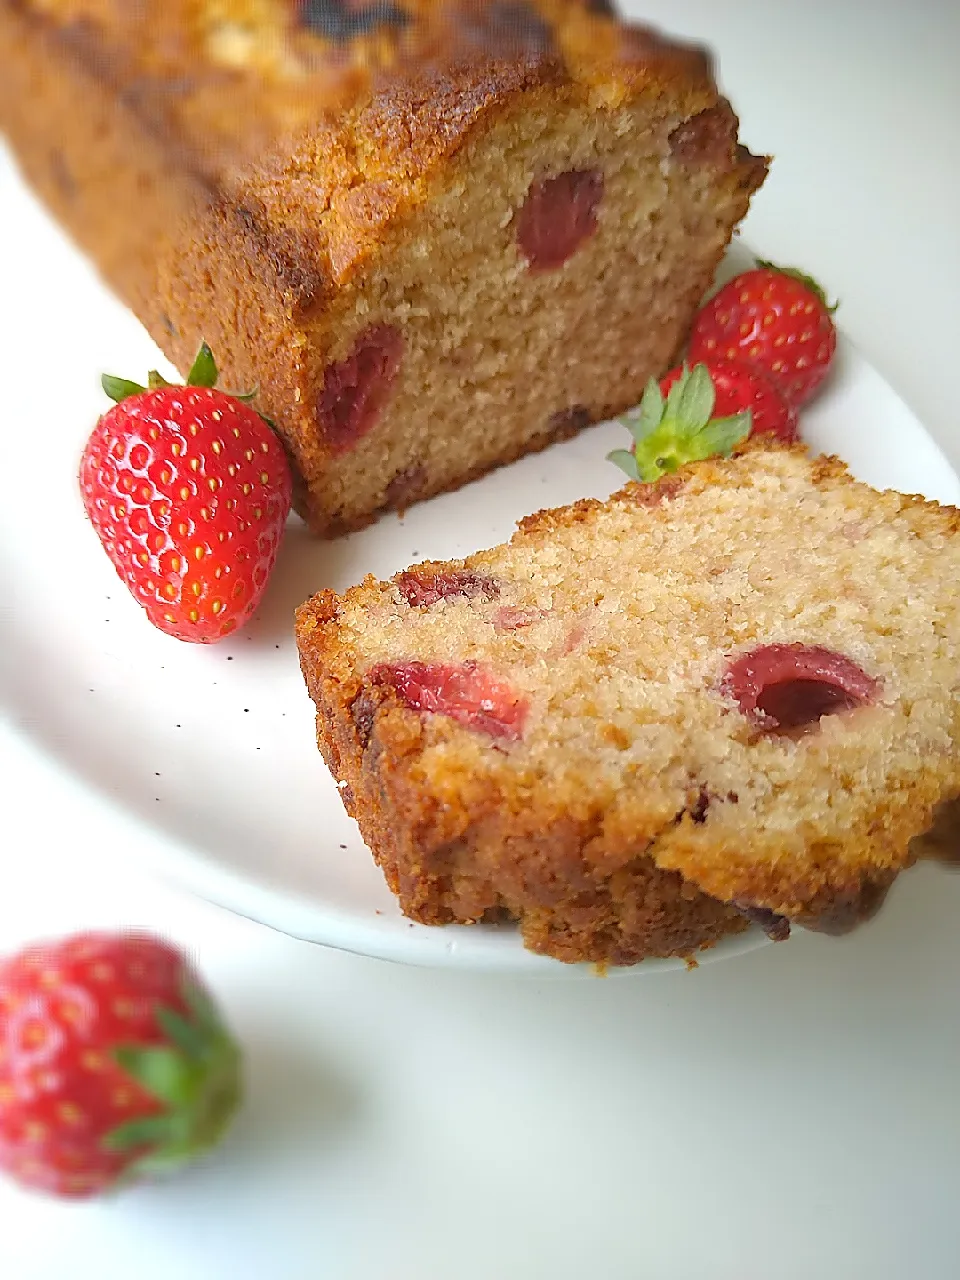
(436, 234)
(732, 696)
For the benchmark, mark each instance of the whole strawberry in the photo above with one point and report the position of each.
(113, 1063)
(775, 319)
(680, 427)
(738, 387)
(188, 489)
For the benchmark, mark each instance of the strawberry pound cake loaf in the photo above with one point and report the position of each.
(435, 234)
(729, 697)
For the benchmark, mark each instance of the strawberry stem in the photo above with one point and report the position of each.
(203, 371)
(807, 281)
(670, 433)
(197, 1078)
(120, 388)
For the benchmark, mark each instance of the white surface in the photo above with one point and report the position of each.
(213, 746)
(793, 1112)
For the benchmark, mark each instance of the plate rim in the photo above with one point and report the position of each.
(196, 870)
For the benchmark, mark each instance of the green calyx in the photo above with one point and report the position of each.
(203, 373)
(197, 1078)
(801, 277)
(669, 433)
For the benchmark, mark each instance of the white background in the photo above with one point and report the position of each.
(792, 1113)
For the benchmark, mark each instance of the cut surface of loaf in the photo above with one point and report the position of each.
(733, 696)
(435, 235)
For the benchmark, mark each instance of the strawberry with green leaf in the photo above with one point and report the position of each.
(776, 320)
(672, 430)
(740, 390)
(114, 1064)
(188, 489)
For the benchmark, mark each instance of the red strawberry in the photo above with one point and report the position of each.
(422, 587)
(188, 489)
(781, 687)
(113, 1063)
(670, 431)
(558, 215)
(356, 389)
(467, 692)
(775, 319)
(738, 387)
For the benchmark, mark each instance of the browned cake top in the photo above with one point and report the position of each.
(227, 78)
(318, 124)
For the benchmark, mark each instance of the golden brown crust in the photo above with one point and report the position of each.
(369, 161)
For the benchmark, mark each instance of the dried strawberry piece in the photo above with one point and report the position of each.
(467, 692)
(658, 492)
(405, 487)
(558, 215)
(423, 587)
(706, 138)
(356, 389)
(781, 687)
(567, 422)
(574, 638)
(513, 618)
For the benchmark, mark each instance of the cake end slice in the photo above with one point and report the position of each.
(640, 725)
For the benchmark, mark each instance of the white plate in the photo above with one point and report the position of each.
(214, 746)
